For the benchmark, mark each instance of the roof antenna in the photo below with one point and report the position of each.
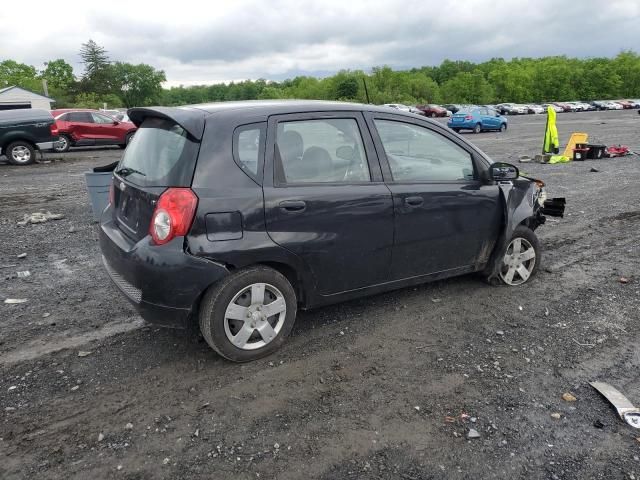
(366, 92)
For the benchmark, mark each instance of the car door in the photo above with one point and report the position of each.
(82, 128)
(446, 219)
(105, 131)
(487, 120)
(325, 199)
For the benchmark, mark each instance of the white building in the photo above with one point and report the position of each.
(16, 97)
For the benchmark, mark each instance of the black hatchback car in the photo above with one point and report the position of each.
(237, 214)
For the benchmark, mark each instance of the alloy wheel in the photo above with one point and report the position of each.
(518, 262)
(21, 154)
(255, 316)
(61, 146)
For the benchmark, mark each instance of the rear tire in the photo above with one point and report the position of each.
(457, 130)
(522, 258)
(233, 297)
(432, 115)
(477, 128)
(127, 139)
(20, 153)
(63, 145)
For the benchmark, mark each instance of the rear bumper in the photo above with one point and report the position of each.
(465, 124)
(163, 282)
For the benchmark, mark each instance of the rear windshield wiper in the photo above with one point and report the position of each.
(124, 171)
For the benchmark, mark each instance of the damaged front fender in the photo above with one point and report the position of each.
(523, 203)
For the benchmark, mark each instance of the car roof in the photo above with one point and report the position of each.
(193, 117)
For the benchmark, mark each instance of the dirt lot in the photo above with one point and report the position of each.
(360, 390)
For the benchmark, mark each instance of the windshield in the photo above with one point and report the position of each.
(160, 154)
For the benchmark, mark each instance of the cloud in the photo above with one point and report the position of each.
(206, 42)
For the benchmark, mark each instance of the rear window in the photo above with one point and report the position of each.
(160, 154)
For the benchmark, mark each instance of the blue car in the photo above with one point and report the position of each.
(477, 119)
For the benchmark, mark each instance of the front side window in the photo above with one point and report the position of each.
(417, 154)
(101, 119)
(328, 150)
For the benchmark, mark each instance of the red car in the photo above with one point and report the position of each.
(80, 128)
(432, 110)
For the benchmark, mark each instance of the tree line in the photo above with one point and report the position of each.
(519, 80)
(118, 84)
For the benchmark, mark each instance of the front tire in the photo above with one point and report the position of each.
(503, 127)
(20, 153)
(477, 128)
(522, 257)
(249, 314)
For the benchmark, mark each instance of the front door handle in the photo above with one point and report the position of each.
(414, 201)
(293, 205)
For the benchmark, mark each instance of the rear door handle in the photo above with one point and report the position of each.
(293, 205)
(414, 201)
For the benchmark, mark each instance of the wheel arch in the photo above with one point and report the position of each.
(9, 139)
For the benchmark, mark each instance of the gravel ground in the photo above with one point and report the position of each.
(387, 387)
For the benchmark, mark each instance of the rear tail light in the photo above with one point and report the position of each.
(173, 215)
(468, 117)
(54, 130)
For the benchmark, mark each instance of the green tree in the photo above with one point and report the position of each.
(94, 57)
(97, 72)
(348, 88)
(13, 73)
(58, 74)
(468, 87)
(136, 85)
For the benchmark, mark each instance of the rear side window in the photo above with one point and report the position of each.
(248, 147)
(160, 154)
(80, 117)
(320, 151)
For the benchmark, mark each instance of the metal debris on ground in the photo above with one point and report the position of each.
(82, 353)
(22, 255)
(473, 433)
(15, 300)
(40, 217)
(624, 280)
(24, 274)
(623, 406)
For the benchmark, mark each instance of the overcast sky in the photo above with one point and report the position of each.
(219, 41)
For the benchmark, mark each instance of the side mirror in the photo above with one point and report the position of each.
(116, 122)
(503, 171)
(497, 114)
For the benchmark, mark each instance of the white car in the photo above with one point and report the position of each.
(555, 108)
(535, 108)
(614, 106)
(398, 106)
(577, 106)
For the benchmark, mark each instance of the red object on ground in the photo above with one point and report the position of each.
(618, 151)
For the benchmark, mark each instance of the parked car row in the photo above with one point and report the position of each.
(447, 110)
